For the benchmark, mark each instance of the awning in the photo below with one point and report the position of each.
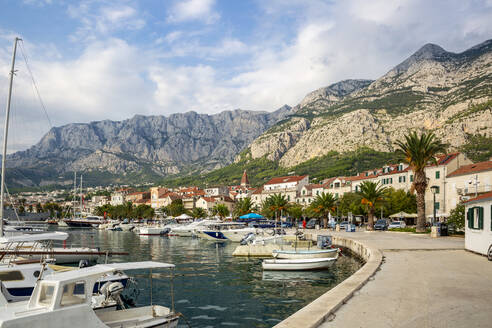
(403, 215)
(251, 216)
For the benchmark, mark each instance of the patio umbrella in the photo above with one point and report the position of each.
(251, 216)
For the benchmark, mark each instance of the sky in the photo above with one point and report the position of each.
(96, 60)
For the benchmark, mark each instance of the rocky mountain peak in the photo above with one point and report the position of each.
(429, 52)
(335, 91)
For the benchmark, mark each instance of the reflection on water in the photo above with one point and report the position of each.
(213, 288)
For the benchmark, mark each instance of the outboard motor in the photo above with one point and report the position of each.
(248, 238)
(165, 232)
(83, 264)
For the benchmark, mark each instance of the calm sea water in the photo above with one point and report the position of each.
(211, 287)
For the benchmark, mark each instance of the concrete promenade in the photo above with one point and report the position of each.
(422, 282)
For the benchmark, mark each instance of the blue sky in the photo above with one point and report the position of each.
(96, 60)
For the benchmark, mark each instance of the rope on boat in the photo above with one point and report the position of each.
(186, 320)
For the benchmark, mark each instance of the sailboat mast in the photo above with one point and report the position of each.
(74, 192)
(5, 134)
(81, 196)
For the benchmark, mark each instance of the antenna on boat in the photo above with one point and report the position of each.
(5, 133)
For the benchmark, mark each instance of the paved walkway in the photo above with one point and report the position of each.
(423, 282)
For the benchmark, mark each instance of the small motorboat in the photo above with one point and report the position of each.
(305, 254)
(298, 264)
(63, 299)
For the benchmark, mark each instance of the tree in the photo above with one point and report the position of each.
(322, 205)
(39, 208)
(399, 201)
(277, 204)
(243, 206)
(198, 213)
(418, 152)
(296, 211)
(372, 196)
(457, 217)
(350, 202)
(107, 208)
(144, 211)
(220, 210)
(176, 208)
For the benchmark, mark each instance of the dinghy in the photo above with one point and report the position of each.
(298, 264)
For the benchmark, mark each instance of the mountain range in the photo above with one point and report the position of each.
(434, 89)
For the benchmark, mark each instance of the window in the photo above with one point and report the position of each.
(474, 216)
(438, 174)
(391, 180)
(46, 294)
(437, 205)
(73, 293)
(304, 192)
(438, 189)
(411, 177)
(11, 276)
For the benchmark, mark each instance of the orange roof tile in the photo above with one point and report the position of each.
(472, 168)
(481, 197)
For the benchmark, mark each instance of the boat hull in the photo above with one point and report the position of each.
(236, 235)
(298, 264)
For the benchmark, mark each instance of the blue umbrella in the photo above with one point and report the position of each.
(251, 216)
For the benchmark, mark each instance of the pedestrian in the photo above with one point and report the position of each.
(304, 223)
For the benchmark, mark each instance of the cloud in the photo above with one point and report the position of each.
(101, 20)
(292, 48)
(189, 10)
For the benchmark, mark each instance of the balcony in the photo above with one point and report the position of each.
(472, 190)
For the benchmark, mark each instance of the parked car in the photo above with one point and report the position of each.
(311, 224)
(381, 224)
(343, 225)
(397, 224)
(287, 224)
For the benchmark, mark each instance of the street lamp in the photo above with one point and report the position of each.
(434, 190)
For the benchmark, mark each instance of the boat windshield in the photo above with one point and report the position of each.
(46, 295)
(73, 293)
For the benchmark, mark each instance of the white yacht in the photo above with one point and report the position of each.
(227, 231)
(191, 229)
(64, 299)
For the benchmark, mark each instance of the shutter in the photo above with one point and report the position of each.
(469, 217)
(480, 218)
(490, 217)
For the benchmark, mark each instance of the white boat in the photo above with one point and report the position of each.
(298, 264)
(64, 299)
(19, 279)
(305, 254)
(40, 246)
(226, 231)
(191, 229)
(156, 230)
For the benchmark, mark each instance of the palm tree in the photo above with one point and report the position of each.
(198, 213)
(243, 206)
(373, 195)
(277, 204)
(323, 205)
(419, 151)
(220, 210)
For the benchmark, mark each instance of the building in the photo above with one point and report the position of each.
(478, 223)
(289, 186)
(207, 203)
(244, 180)
(217, 191)
(134, 197)
(467, 182)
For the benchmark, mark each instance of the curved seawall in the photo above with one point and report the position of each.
(324, 306)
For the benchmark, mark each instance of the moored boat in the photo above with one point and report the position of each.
(298, 264)
(59, 299)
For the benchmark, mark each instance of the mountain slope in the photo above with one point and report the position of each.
(157, 145)
(433, 89)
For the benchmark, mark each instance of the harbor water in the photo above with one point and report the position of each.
(211, 287)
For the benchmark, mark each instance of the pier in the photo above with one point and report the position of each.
(409, 280)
